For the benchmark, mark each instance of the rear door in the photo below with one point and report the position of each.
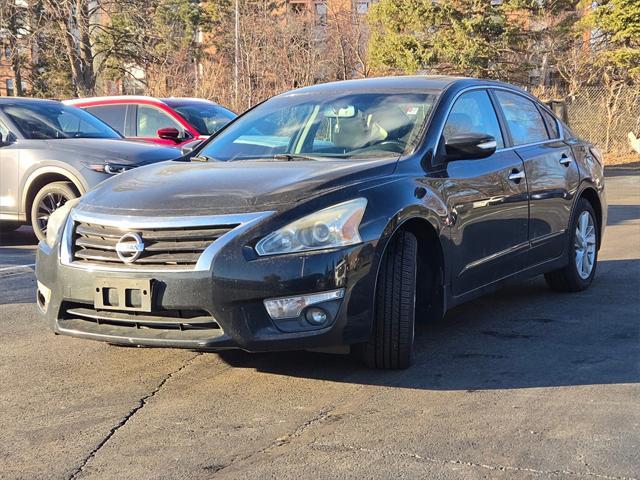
(487, 198)
(552, 174)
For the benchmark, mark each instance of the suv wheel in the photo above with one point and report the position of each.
(583, 248)
(391, 344)
(50, 197)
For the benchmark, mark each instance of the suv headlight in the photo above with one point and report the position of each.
(335, 226)
(107, 167)
(57, 221)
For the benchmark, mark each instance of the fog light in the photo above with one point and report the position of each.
(43, 296)
(292, 307)
(316, 316)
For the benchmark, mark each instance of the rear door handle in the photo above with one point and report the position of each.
(565, 160)
(516, 176)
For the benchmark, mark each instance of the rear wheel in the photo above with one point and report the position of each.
(583, 247)
(391, 344)
(47, 200)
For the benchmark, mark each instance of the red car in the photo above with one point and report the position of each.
(168, 121)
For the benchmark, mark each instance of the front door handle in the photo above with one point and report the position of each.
(516, 176)
(565, 160)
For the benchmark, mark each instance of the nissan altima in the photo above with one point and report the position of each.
(333, 217)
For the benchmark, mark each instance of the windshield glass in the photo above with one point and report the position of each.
(47, 121)
(361, 125)
(206, 119)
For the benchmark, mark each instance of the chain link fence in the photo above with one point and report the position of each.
(604, 115)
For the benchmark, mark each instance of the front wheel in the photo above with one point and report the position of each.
(47, 200)
(391, 343)
(583, 248)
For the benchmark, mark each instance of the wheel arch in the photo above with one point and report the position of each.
(42, 177)
(430, 253)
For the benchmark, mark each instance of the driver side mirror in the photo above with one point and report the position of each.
(7, 140)
(470, 146)
(169, 133)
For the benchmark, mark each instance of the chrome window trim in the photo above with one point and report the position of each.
(506, 89)
(245, 221)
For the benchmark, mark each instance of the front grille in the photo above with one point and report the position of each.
(176, 248)
(79, 314)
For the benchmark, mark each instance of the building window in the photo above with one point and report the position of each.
(321, 14)
(10, 88)
(7, 52)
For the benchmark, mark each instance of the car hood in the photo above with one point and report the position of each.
(122, 152)
(193, 188)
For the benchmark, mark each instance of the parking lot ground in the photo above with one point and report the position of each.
(521, 384)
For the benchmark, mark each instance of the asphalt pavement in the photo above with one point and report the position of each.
(524, 383)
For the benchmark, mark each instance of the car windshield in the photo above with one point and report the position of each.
(48, 121)
(207, 119)
(319, 126)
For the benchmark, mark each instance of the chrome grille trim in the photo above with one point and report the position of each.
(243, 222)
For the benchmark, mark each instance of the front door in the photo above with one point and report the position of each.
(552, 173)
(9, 175)
(487, 199)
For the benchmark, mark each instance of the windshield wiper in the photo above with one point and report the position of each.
(291, 157)
(202, 158)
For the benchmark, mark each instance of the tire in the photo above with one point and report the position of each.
(49, 198)
(6, 227)
(571, 278)
(391, 343)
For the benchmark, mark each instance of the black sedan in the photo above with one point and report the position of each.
(330, 216)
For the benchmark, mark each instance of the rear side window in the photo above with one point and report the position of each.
(112, 115)
(151, 119)
(552, 124)
(473, 113)
(523, 118)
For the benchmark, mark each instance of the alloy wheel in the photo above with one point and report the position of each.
(585, 245)
(49, 203)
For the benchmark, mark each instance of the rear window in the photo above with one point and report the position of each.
(552, 124)
(523, 118)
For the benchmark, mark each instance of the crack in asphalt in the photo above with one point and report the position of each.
(123, 421)
(320, 416)
(503, 468)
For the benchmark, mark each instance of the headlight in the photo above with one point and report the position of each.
(335, 226)
(107, 167)
(57, 220)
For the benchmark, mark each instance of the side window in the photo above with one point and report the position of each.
(525, 122)
(552, 124)
(151, 119)
(112, 115)
(72, 125)
(473, 113)
(4, 131)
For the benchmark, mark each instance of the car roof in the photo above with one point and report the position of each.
(436, 83)
(135, 98)
(27, 101)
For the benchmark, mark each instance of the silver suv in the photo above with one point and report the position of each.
(51, 153)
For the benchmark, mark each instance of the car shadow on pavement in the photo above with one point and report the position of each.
(618, 214)
(22, 237)
(524, 336)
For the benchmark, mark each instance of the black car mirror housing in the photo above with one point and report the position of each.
(469, 146)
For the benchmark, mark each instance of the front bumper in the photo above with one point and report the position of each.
(230, 301)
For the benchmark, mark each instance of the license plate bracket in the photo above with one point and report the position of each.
(123, 294)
